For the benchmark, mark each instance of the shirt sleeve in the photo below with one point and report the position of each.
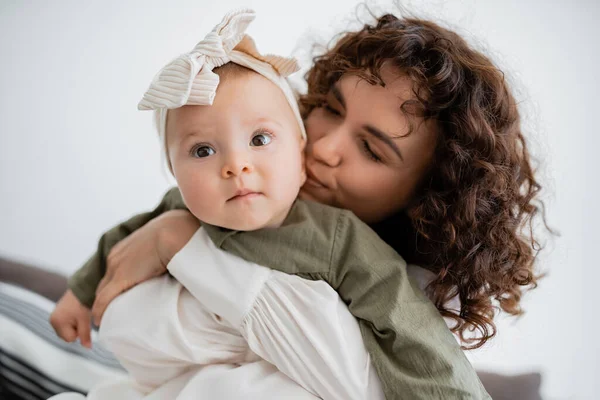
(85, 280)
(415, 354)
(300, 326)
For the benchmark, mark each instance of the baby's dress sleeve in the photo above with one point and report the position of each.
(300, 326)
(159, 331)
(85, 280)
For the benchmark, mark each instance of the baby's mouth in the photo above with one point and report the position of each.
(244, 194)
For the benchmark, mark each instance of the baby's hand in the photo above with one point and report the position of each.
(71, 319)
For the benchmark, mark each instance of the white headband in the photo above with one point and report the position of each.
(189, 79)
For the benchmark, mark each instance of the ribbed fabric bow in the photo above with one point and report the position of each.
(189, 78)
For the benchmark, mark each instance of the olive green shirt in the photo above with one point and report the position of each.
(412, 349)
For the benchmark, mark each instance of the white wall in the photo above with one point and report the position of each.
(76, 156)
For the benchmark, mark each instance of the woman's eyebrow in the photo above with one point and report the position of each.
(384, 138)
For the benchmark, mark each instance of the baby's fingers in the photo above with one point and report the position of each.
(84, 331)
(67, 332)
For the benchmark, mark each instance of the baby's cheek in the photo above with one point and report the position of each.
(201, 205)
(302, 166)
(302, 177)
(199, 196)
(300, 162)
(295, 172)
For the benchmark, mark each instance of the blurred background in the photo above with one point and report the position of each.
(76, 156)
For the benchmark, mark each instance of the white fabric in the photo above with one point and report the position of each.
(68, 396)
(28, 296)
(239, 331)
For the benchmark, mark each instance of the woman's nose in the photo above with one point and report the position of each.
(328, 148)
(235, 165)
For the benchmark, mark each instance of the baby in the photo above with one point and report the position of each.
(233, 138)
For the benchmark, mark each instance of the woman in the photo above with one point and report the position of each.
(419, 136)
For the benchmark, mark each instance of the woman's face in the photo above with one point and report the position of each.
(355, 156)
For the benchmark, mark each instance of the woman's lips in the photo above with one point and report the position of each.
(311, 180)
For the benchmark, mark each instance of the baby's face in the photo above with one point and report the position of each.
(239, 162)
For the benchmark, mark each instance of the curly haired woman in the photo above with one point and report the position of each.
(419, 135)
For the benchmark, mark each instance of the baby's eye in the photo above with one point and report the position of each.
(203, 151)
(261, 139)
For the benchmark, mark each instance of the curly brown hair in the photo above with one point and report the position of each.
(471, 221)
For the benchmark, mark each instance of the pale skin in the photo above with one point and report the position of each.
(356, 158)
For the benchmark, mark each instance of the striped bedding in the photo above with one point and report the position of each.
(34, 362)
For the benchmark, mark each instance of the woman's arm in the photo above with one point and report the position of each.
(143, 255)
(300, 326)
(71, 316)
(84, 282)
(413, 350)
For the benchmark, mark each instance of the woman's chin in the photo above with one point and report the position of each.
(313, 194)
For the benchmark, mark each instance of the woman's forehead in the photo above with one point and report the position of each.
(373, 104)
(397, 88)
(380, 107)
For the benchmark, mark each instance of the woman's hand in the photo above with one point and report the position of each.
(143, 255)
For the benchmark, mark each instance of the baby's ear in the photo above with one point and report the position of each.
(303, 161)
(302, 145)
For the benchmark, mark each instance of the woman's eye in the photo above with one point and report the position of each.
(261, 139)
(331, 110)
(203, 151)
(369, 152)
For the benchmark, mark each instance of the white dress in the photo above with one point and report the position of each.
(226, 328)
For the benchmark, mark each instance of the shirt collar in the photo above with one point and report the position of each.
(219, 234)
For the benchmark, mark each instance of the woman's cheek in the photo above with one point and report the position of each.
(369, 188)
